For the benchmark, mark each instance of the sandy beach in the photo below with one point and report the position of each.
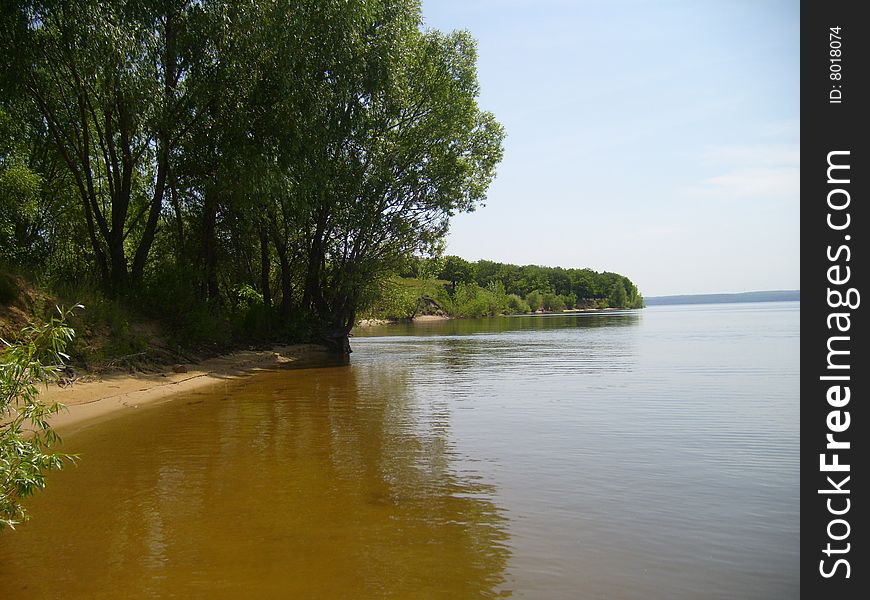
(93, 397)
(417, 319)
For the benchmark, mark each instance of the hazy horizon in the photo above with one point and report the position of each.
(659, 140)
(725, 293)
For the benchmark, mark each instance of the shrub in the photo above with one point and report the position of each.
(517, 305)
(553, 302)
(394, 299)
(37, 356)
(535, 300)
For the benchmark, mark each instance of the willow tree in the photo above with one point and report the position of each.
(392, 144)
(108, 81)
(426, 152)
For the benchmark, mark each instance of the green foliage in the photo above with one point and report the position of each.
(32, 191)
(575, 286)
(517, 305)
(403, 298)
(399, 301)
(19, 206)
(570, 300)
(419, 150)
(107, 320)
(617, 297)
(456, 270)
(204, 326)
(535, 300)
(471, 300)
(26, 437)
(252, 170)
(245, 296)
(553, 302)
(331, 139)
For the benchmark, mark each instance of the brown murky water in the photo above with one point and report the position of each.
(648, 455)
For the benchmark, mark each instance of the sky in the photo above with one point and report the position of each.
(657, 139)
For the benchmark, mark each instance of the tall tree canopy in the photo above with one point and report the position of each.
(214, 139)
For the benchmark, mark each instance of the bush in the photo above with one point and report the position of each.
(517, 305)
(472, 300)
(249, 315)
(394, 299)
(570, 300)
(204, 325)
(37, 356)
(535, 300)
(553, 302)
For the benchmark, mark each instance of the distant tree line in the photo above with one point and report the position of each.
(548, 288)
(272, 160)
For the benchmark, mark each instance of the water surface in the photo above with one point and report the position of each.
(649, 454)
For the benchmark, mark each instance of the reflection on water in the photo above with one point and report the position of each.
(494, 325)
(306, 483)
(626, 455)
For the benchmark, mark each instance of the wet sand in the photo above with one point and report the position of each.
(95, 397)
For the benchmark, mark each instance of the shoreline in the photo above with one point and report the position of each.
(417, 319)
(365, 323)
(96, 397)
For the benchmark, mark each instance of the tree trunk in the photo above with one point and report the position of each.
(170, 80)
(265, 267)
(312, 297)
(209, 246)
(286, 282)
(118, 264)
(337, 336)
(179, 219)
(147, 240)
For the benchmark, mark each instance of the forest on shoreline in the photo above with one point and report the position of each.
(248, 173)
(267, 162)
(454, 287)
(208, 174)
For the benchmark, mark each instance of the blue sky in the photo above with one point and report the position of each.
(657, 139)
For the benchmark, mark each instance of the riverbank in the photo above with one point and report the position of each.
(365, 323)
(417, 319)
(93, 397)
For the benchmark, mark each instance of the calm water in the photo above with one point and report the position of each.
(645, 455)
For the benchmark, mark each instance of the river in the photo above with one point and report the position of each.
(640, 454)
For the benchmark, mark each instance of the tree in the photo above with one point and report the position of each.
(617, 297)
(25, 434)
(395, 146)
(209, 145)
(553, 302)
(456, 270)
(113, 99)
(515, 304)
(486, 272)
(34, 186)
(535, 300)
(570, 300)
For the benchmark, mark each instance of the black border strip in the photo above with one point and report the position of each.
(834, 224)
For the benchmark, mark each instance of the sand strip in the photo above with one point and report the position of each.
(90, 399)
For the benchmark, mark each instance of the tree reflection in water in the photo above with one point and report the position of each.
(322, 482)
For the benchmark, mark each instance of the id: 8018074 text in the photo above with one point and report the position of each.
(835, 65)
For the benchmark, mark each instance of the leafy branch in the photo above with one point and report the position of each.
(36, 357)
